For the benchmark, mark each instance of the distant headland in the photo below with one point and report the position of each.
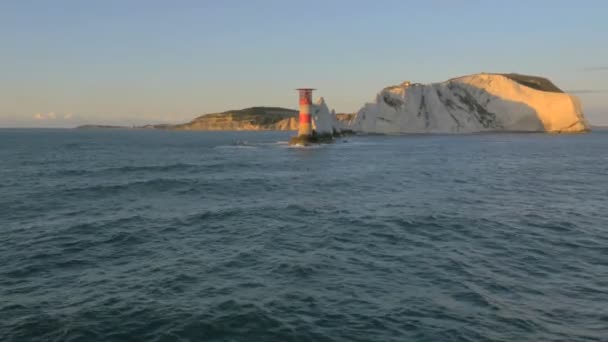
(248, 119)
(485, 102)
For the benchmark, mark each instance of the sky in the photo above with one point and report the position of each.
(70, 62)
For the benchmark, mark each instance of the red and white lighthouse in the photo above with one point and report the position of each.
(305, 127)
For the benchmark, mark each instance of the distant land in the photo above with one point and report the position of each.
(248, 119)
(101, 127)
(485, 102)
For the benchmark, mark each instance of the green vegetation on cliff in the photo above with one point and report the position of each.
(254, 118)
(534, 82)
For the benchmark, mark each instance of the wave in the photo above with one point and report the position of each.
(152, 185)
(128, 169)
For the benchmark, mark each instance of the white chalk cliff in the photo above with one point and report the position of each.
(324, 121)
(475, 103)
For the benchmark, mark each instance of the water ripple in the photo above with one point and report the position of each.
(159, 236)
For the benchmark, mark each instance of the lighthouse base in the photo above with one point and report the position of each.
(314, 138)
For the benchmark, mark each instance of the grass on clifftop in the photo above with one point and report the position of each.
(534, 82)
(254, 115)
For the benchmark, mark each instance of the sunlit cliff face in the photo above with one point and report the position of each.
(476, 103)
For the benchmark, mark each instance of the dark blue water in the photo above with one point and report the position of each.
(184, 236)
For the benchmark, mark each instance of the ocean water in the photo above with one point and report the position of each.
(117, 235)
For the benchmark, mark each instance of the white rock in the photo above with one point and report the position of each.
(475, 103)
(324, 121)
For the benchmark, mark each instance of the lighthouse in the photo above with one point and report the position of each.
(305, 127)
(306, 135)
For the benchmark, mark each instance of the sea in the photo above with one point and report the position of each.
(144, 235)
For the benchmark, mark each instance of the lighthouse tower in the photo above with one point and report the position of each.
(305, 127)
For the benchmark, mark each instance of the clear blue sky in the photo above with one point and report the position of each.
(124, 62)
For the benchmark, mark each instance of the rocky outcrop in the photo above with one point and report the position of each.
(325, 121)
(475, 103)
